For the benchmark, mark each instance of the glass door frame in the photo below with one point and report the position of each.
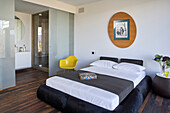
(34, 40)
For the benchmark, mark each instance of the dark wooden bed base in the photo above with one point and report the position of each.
(68, 104)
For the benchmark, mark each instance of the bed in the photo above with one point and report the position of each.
(67, 96)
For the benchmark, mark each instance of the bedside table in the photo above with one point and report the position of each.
(161, 85)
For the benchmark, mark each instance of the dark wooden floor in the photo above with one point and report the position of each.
(155, 104)
(22, 98)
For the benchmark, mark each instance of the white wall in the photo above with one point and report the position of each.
(27, 21)
(153, 26)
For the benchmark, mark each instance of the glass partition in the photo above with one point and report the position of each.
(61, 38)
(53, 39)
(40, 41)
(7, 40)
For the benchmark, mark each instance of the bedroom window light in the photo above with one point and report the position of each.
(39, 39)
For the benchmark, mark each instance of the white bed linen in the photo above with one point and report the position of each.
(84, 92)
(127, 75)
(94, 95)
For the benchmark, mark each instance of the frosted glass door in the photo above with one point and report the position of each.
(7, 40)
(61, 38)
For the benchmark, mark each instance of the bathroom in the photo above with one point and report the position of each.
(40, 40)
(31, 41)
(23, 37)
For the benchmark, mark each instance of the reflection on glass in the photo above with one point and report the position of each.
(12, 40)
(39, 39)
(3, 26)
(19, 30)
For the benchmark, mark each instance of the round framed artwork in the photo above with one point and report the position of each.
(122, 30)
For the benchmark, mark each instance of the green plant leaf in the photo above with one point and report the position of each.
(158, 60)
(158, 56)
(168, 62)
(167, 67)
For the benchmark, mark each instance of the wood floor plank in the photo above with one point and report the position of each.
(150, 104)
(144, 103)
(159, 100)
(23, 98)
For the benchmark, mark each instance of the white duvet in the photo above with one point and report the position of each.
(93, 95)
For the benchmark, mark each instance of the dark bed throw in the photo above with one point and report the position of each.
(108, 83)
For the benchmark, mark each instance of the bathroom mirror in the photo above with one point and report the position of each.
(19, 30)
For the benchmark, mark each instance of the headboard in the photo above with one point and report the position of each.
(134, 61)
(109, 58)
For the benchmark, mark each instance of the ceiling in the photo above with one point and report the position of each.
(29, 8)
(78, 2)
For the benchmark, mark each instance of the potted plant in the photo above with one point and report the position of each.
(164, 62)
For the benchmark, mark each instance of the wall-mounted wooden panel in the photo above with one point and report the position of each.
(132, 32)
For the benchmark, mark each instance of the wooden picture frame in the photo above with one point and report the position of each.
(122, 43)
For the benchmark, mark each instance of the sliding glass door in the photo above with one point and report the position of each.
(53, 39)
(61, 38)
(7, 40)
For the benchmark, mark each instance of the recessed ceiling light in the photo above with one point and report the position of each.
(40, 14)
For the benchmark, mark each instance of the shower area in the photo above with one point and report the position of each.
(40, 41)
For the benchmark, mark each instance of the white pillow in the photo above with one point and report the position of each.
(104, 63)
(129, 67)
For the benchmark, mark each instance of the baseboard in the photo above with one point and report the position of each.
(22, 70)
